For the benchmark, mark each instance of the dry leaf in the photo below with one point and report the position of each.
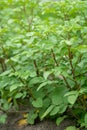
(22, 122)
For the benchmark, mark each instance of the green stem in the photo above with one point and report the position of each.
(29, 20)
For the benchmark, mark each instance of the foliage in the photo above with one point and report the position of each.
(43, 48)
(71, 128)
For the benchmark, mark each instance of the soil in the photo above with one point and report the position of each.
(12, 124)
(13, 119)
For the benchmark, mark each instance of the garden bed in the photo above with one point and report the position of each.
(13, 124)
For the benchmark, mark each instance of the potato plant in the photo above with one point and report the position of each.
(43, 58)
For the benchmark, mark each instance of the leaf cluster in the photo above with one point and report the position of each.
(43, 58)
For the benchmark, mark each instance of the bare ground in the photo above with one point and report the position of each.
(14, 118)
(12, 124)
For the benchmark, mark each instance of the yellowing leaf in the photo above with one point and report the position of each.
(85, 96)
(37, 111)
(22, 122)
(25, 115)
(9, 100)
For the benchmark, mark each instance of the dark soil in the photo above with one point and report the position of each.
(12, 124)
(15, 117)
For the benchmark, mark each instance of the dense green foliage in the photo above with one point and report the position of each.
(43, 58)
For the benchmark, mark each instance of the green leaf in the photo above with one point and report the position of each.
(69, 43)
(5, 73)
(13, 87)
(63, 108)
(85, 120)
(18, 95)
(83, 90)
(46, 74)
(54, 111)
(72, 99)
(57, 96)
(36, 80)
(57, 99)
(3, 118)
(72, 96)
(71, 93)
(31, 117)
(45, 83)
(38, 103)
(47, 111)
(82, 48)
(6, 106)
(42, 85)
(72, 128)
(60, 119)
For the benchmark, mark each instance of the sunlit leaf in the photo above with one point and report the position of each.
(47, 111)
(60, 119)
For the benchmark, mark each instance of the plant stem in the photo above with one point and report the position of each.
(82, 102)
(36, 67)
(69, 111)
(54, 57)
(28, 20)
(68, 86)
(72, 68)
(84, 73)
(3, 65)
(15, 71)
(70, 60)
